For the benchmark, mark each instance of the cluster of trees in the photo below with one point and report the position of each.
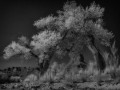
(67, 33)
(14, 74)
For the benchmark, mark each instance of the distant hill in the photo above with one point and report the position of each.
(16, 61)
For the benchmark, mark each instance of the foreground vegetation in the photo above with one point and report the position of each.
(76, 78)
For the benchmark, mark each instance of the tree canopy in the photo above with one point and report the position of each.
(67, 33)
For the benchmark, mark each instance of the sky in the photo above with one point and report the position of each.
(17, 17)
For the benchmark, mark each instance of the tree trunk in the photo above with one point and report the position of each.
(82, 62)
(46, 63)
(100, 62)
(94, 52)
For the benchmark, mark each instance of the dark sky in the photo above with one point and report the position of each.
(17, 17)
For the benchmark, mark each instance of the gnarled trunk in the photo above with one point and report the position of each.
(46, 63)
(82, 62)
(100, 62)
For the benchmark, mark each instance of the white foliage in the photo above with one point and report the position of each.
(44, 40)
(23, 40)
(13, 49)
(43, 22)
(68, 22)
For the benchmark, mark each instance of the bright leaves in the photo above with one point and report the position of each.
(13, 49)
(44, 22)
(45, 40)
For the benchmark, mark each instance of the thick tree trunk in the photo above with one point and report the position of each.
(94, 52)
(44, 66)
(82, 62)
(100, 62)
(46, 63)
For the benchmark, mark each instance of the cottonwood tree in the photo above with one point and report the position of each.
(65, 34)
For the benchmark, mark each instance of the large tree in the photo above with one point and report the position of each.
(67, 33)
